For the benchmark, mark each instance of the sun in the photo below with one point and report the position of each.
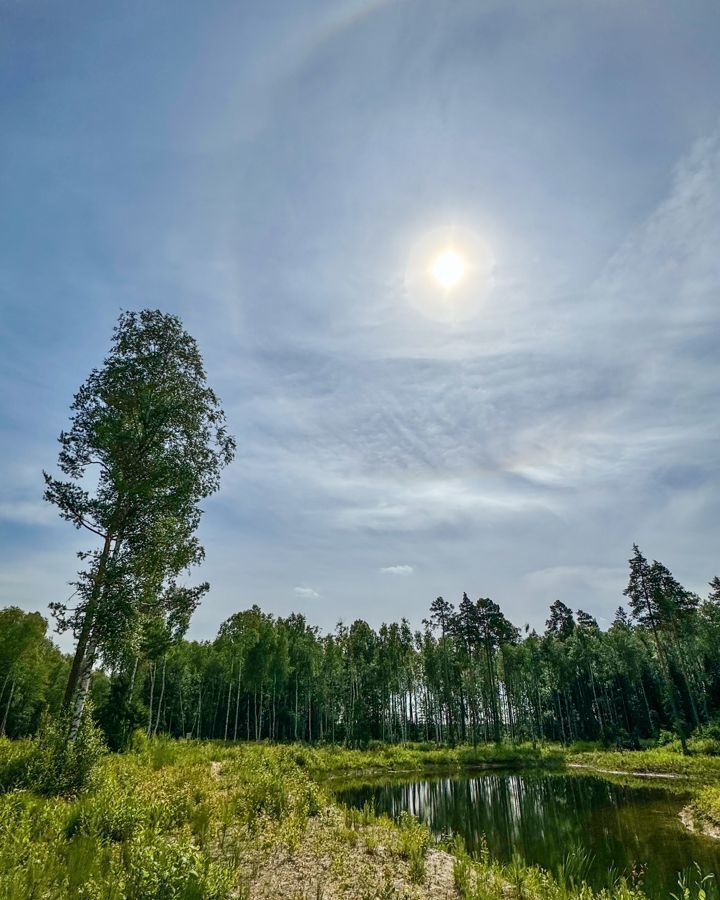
(448, 269)
(449, 273)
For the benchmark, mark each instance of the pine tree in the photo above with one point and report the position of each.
(649, 607)
(560, 624)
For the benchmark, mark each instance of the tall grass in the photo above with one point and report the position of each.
(165, 821)
(181, 821)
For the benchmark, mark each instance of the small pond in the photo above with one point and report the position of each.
(540, 816)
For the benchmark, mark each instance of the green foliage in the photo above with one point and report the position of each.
(463, 869)
(14, 763)
(706, 806)
(693, 884)
(57, 765)
(414, 843)
(152, 432)
(50, 763)
(32, 672)
(667, 760)
(468, 678)
(166, 820)
(178, 820)
(426, 757)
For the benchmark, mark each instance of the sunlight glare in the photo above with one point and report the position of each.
(448, 269)
(449, 273)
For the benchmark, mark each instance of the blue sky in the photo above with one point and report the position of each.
(267, 171)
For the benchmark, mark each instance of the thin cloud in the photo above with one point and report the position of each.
(27, 512)
(307, 593)
(397, 570)
(494, 452)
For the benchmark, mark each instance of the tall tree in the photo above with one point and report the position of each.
(152, 432)
(652, 607)
(714, 595)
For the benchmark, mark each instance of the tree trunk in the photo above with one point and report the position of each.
(237, 704)
(3, 725)
(83, 686)
(152, 692)
(296, 706)
(5, 681)
(132, 678)
(162, 694)
(227, 706)
(84, 638)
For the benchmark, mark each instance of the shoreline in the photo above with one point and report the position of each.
(697, 824)
(632, 774)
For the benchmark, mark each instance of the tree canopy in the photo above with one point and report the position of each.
(146, 444)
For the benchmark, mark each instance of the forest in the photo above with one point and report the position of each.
(468, 675)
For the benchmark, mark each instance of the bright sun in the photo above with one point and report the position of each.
(448, 269)
(449, 273)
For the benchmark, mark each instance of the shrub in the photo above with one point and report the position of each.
(172, 871)
(58, 765)
(14, 761)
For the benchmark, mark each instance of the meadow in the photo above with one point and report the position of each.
(199, 819)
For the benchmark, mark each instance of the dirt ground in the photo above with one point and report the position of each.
(333, 862)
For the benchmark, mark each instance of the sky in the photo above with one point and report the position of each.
(278, 174)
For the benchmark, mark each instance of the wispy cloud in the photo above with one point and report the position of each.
(27, 512)
(276, 213)
(396, 570)
(306, 593)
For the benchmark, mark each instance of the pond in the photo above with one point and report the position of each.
(540, 816)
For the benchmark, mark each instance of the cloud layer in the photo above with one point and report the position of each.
(271, 186)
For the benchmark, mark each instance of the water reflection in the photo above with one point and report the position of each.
(540, 816)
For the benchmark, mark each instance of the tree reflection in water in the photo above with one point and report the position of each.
(541, 816)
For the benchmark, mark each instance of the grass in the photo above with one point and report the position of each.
(480, 878)
(705, 809)
(337, 761)
(205, 821)
(171, 820)
(666, 760)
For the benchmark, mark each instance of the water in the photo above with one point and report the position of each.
(540, 816)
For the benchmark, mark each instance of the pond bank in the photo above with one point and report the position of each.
(340, 857)
(630, 772)
(546, 817)
(695, 822)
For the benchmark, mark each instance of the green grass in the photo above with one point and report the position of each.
(164, 822)
(423, 757)
(199, 820)
(659, 760)
(482, 879)
(705, 807)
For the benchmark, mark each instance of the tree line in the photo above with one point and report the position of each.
(467, 675)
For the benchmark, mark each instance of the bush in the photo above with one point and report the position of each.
(58, 765)
(14, 761)
(172, 871)
(665, 738)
